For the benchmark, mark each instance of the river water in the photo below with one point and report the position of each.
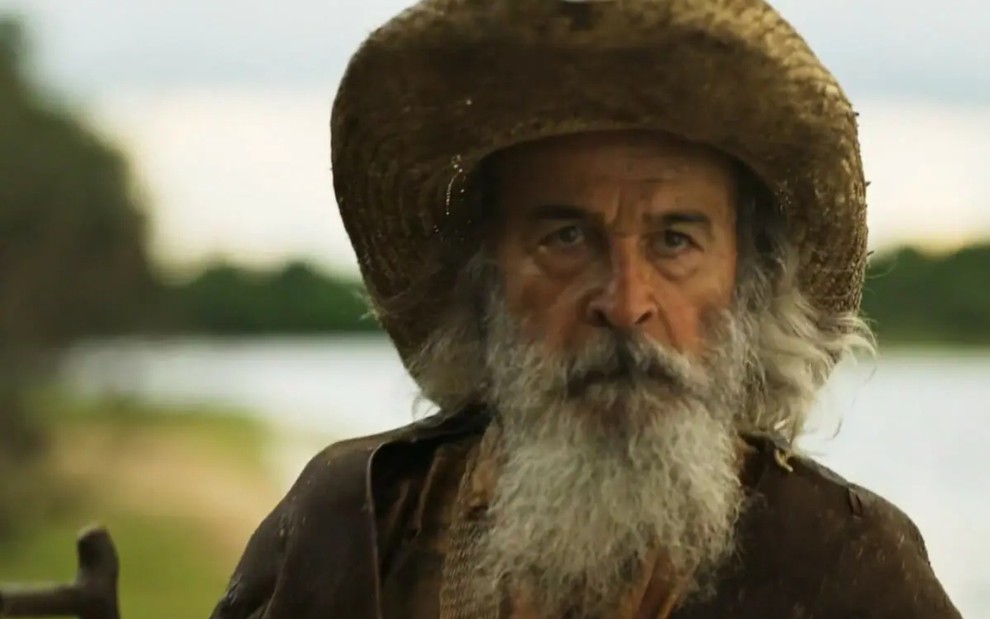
(914, 424)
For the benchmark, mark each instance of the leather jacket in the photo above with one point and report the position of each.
(811, 545)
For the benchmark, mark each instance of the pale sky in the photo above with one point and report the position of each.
(224, 108)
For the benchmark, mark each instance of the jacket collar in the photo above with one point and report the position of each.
(434, 428)
(441, 427)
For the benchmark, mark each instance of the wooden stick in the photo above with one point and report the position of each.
(93, 595)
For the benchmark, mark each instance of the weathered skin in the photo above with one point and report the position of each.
(633, 231)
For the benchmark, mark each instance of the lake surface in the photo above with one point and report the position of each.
(914, 425)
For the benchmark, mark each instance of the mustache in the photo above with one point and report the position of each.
(623, 359)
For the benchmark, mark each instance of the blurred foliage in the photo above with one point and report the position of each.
(295, 299)
(73, 255)
(72, 246)
(915, 298)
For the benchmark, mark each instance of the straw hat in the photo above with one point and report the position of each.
(447, 82)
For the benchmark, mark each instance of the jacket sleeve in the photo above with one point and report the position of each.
(890, 574)
(313, 556)
(253, 582)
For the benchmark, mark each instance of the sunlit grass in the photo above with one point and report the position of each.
(167, 567)
(173, 562)
(228, 432)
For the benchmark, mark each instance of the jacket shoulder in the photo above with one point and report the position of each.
(861, 552)
(830, 509)
(806, 487)
(856, 509)
(352, 457)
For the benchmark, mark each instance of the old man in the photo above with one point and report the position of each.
(620, 245)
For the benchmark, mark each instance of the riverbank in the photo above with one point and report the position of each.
(180, 491)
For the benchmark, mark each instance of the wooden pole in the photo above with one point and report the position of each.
(93, 595)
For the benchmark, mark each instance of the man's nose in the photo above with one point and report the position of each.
(626, 301)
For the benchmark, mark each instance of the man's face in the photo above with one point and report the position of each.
(629, 231)
(614, 362)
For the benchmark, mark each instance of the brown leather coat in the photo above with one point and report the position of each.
(812, 545)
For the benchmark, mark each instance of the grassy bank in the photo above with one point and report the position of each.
(179, 490)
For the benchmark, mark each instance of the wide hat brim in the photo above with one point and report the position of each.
(448, 82)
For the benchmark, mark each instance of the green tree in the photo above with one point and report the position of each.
(72, 244)
(295, 299)
(917, 298)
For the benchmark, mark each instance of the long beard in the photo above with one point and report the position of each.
(605, 455)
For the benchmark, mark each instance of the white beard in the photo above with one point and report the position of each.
(596, 474)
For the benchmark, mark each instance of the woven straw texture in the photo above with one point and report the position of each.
(448, 82)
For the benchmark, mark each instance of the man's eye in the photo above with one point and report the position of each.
(567, 236)
(672, 242)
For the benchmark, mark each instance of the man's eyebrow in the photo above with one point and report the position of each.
(680, 217)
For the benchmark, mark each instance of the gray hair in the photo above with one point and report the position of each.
(795, 346)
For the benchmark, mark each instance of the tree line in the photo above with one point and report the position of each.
(930, 299)
(910, 297)
(295, 299)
